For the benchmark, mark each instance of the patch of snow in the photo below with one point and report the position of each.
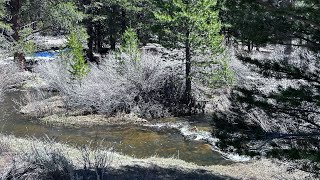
(28, 58)
(51, 41)
(236, 157)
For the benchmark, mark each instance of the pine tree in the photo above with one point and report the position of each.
(273, 22)
(23, 18)
(195, 25)
(130, 45)
(79, 67)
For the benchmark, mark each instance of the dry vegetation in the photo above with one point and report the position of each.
(274, 107)
(50, 160)
(9, 77)
(149, 87)
(280, 91)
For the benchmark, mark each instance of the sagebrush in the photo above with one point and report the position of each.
(150, 87)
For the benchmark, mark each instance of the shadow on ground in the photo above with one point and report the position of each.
(143, 173)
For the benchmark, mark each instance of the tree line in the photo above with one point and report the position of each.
(194, 26)
(251, 22)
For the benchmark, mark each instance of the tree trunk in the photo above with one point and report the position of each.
(112, 31)
(99, 37)
(188, 72)
(20, 57)
(123, 21)
(90, 31)
(15, 7)
(249, 46)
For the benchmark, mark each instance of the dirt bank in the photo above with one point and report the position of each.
(93, 120)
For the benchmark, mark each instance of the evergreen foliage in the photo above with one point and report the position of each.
(130, 44)
(277, 22)
(79, 67)
(20, 20)
(197, 32)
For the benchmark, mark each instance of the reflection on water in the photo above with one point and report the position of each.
(136, 141)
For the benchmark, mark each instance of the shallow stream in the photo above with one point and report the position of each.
(183, 138)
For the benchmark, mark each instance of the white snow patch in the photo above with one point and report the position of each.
(28, 58)
(236, 157)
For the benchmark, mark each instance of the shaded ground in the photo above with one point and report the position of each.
(135, 172)
(274, 109)
(153, 172)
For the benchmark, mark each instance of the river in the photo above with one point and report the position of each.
(136, 141)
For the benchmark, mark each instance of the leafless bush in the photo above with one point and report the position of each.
(298, 57)
(150, 86)
(3, 147)
(8, 77)
(96, 157)
(40, 103)
(44, 162)
(277, 96)
(280, 89)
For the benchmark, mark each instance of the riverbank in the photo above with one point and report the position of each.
(257, 169)
(149, 138)
(93, 120)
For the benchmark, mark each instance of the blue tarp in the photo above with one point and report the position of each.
(48, 54)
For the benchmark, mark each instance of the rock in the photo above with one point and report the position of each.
(132, 118)
(36, 82)
(50, 42)
(153, 48)
(45, 107)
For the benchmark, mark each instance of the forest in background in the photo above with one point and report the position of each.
(161, 58)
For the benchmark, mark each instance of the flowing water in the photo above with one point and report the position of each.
(171, 137)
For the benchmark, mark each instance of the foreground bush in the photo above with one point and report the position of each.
(42, 163)
(44, 159)
(3, 147)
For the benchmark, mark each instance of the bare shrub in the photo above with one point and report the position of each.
(297, 57)
(41, 162)
(3, 147)
(95, 157)
(279, 90)
(40, 103)
(150, 86)
(275, 104)
(8, 77)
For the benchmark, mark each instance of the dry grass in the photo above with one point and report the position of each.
(37, 104)
(258, 169)
(9, 77)
(92, 120)
(42, 162)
